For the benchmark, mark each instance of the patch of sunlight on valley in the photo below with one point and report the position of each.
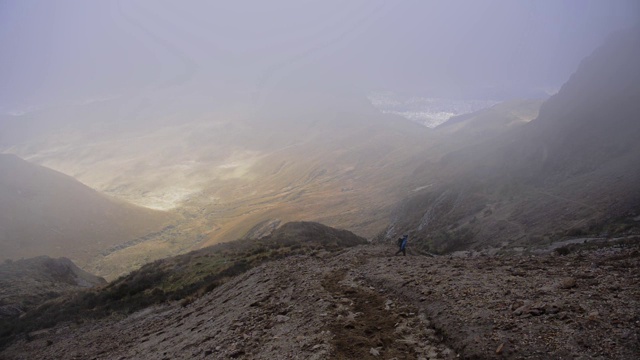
(160, 169)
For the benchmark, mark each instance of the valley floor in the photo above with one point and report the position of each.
(366, 303)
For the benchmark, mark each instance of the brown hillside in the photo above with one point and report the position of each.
(44, 212)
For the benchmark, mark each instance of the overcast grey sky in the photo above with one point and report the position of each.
(64, 50)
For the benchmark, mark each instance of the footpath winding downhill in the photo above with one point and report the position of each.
(365, 303)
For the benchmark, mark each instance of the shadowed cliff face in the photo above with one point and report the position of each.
(574, 168)
(593, 121)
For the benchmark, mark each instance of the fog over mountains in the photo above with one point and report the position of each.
(429, 112)
(574, 168)
(227, 135)
(216, 53)
(191, 152)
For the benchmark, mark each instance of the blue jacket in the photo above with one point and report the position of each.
(404, 242)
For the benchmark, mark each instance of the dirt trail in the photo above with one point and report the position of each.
(366, 325)
(366, 303)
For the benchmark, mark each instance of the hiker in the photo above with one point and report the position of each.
(402, 245)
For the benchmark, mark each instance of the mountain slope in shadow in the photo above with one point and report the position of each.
(27, 283)
(574, 169)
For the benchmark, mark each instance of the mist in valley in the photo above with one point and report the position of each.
(153, 151)
(228, 115)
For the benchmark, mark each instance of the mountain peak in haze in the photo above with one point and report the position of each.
(594, 119)
(575, 169)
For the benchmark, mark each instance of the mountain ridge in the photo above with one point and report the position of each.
(573, 169)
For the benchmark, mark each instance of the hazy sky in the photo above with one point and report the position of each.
(67, 50)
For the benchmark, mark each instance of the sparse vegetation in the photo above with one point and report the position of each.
(182, 278)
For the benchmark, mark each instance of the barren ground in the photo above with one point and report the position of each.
(365, 303)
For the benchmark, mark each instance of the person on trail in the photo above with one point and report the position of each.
(402, 245)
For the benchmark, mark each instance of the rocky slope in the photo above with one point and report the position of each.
(574, 169)
(182, 277)
(26, 283)
(366, 303)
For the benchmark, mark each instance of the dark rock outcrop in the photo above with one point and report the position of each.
(27, 283)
